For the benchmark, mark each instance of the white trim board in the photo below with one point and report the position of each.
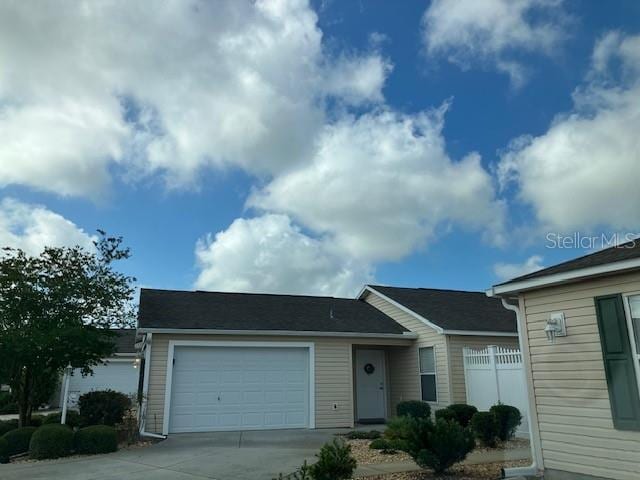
(206, 343)
(277, 333)
(406, 310)
(563, 277)
(480, 333)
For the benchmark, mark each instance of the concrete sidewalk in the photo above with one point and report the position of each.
(474, 458)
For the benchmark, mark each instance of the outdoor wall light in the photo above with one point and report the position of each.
(556, 327)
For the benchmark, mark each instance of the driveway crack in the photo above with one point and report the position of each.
(240, 440)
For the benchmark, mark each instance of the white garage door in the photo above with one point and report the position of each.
(239, 388)
(119, 376)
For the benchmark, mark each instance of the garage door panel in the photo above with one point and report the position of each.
(226, 388)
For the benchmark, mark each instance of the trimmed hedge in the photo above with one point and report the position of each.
(413, 408)
(104, 407)
(508, 419)
(458, 412)
(18, 440)
(51, 441)
(7, 404)
(73, 419)
(486, 428)
(4, 451)
(7, 426)
(96, 439)
(36, 420)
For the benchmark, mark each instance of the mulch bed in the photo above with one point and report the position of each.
(367, 456)
(486, 471)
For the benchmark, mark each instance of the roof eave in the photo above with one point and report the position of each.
(563, 277)
(292, 333)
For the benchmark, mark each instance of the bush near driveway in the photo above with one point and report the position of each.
(7, 426)
(397, 428)
(51, 441)
(104, 407)
(4, 451)
(335, 462)
(18, 440)
(508, 419)
(413, 408)
(73, 419)
(96, 439)
(438, 445)
(486, 428)
(363, 435)
(458, 412)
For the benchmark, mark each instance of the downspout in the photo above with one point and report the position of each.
(532, 469)
(145, 389)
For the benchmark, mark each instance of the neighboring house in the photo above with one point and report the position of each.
(119, 372)
(580, 335)
(230, 361)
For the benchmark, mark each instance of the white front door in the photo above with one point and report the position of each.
(239, 388)
(370, 385)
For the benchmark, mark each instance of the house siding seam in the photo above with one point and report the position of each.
(404, 363)
(570, 389)
(333, 374)
(456, 343)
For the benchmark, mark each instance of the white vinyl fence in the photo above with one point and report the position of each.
(495, 374)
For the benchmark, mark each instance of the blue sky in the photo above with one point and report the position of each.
(310, 148)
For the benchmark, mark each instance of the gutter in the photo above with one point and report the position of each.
(534, 468)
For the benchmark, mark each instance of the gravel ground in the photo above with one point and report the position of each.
(366, 456)
(487, 471)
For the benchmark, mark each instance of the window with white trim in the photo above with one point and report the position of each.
(428, 374)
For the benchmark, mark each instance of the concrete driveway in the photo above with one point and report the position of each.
(220, 455)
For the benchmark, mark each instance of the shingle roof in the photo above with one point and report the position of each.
(125, 340)
(454, 309)
(624, 251)
(251, 311)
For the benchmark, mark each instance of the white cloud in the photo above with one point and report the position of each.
(270, 254)
(582, 173)
(380, 185)
(490, 31)
(169, 87)
(507, 271)
(32, 227)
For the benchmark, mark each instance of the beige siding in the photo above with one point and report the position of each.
(404, 363)
(572, 400)
(456, 363)
(333, 375)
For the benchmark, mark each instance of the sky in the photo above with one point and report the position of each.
(312, 147)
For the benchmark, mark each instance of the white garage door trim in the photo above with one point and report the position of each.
(196, 343)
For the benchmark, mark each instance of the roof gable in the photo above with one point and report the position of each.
(453, 310)
(170, 309)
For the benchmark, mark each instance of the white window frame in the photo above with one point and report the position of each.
(632, 336)
(435, 373)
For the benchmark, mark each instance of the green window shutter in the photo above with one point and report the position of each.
(618, 362)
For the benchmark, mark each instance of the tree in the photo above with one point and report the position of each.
(57, 308)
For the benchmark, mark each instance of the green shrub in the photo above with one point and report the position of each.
(36, 420)
(303, 473)
(458, 412)
(7, 426)
(486, 428)
(7, 404)
(4, 451)
(397, 428)
(379, 444)
(363, 435)
(18, 440)
(73, 419)
(438, 445)
(413, 408)
(51, 441)
(335, 462)
(96, 439)
(508, 418)
(105, 407)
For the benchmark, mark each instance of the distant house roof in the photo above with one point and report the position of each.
(170, 309)
(125, 340)
(454, 309)
(625, 251)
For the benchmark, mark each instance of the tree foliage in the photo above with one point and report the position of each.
(56, 309)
